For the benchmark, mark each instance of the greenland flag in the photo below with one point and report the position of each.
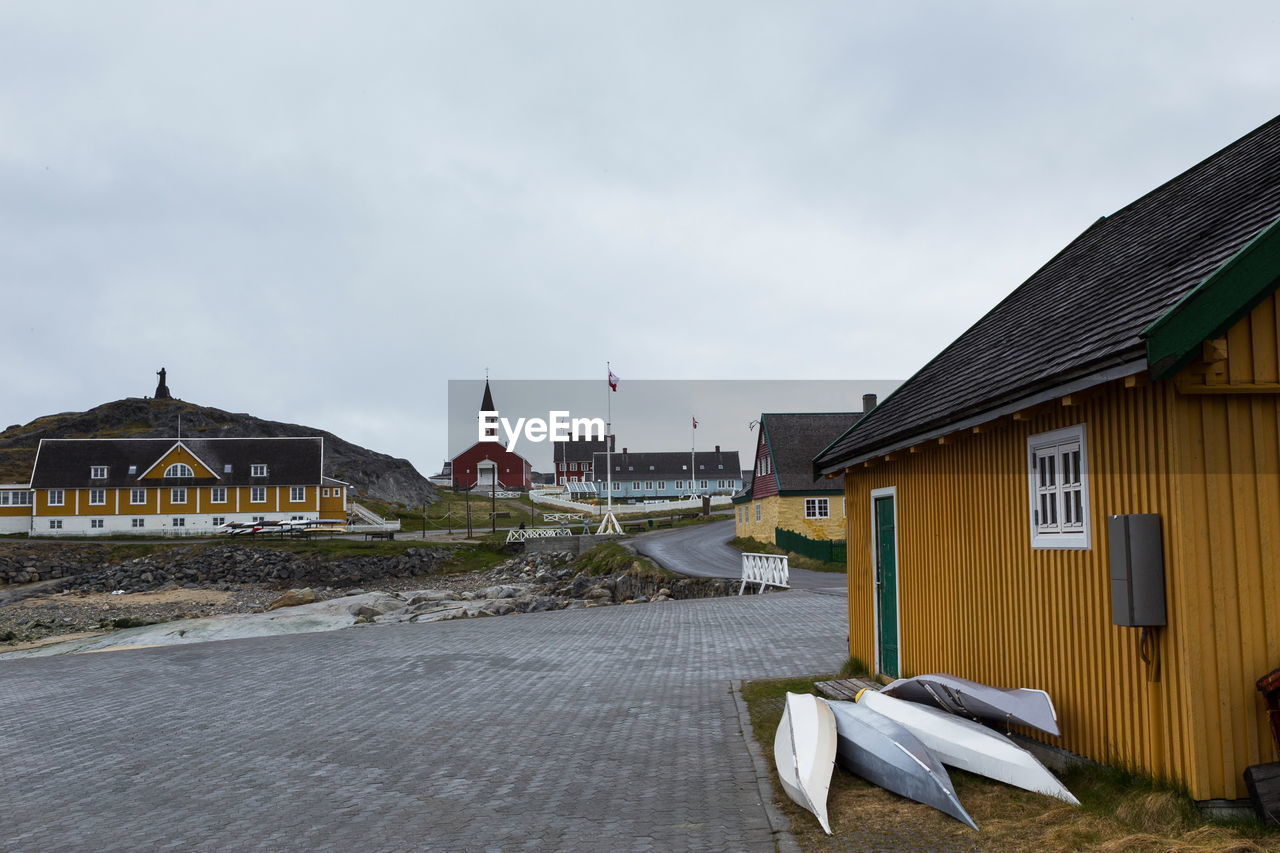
(613, 381)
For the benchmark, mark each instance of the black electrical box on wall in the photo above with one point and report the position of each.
(1137, 570)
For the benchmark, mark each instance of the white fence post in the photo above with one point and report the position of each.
(515, 534)
(766, 570)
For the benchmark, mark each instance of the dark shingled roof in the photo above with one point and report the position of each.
(794, 438)
(64, 463)
(1084, 312)
(667, 465)
(580, 450)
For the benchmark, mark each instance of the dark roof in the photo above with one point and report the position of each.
(486, 403)
(580, 450)
(670, 465)
(65, 462)
(795, 438)
(1085, 311)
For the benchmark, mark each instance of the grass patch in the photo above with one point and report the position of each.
(749, 545)
(1120, 810)
(609, 558)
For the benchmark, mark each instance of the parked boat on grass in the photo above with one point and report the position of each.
(971, 746)
(804, 749)
(1003, 705)
(881, 751)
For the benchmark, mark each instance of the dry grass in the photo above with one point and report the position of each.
(1120, 812)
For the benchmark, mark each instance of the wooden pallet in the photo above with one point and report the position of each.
(845, 689)
(1263, 782)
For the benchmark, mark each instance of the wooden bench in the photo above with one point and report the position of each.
(384, 534)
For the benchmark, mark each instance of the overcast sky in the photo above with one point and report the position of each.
(320, 212)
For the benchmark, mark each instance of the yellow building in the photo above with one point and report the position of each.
(783, 494)
(175, 486)
(1137, 372)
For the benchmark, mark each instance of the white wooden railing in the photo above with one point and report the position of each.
(622, 509)
(766, 570)
(517, 535)
(562, 517)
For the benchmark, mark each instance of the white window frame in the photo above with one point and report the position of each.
(97, 497)
(218, 495)
(97, 472)
(257, 494)
(179, 521)
(177, 469)
(218, 520)
(297, 494)
(1047, 486)
(57, 497)
(96, 524)
(258, 470)
(55, 524)
(757, 511)
(138, 522)
(617, 485)
(817, 507)
(702, 484)
(324, 493)
(178, 495)
(137, 497)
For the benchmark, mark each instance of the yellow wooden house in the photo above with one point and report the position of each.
(177, 486)
(1137, 372)
(784, 494)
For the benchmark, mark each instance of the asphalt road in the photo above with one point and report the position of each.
(703, 550)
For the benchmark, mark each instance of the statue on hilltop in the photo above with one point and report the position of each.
(162, 390)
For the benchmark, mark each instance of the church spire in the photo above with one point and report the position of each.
(486, 405)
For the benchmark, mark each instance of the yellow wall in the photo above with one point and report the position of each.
(787, 512)
(977, 601)
(763, 529)
(333, 506)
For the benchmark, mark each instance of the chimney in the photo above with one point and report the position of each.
(868, 402)
(717, 448)
(624, 450)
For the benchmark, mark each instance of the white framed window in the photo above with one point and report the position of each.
(648, 486)
(258, 494)
(679, 484)
(617, 486)
(297, 494)
(139, 522)
(757, 512)
(817, 507)
(57, 497)
(218, 495)
(55, 524)
(15, 498)
(97, 472)
(179, 469)
(133, 469)
(219, 520)
(297, 518)
(178, 496)
(257, 470)
(573, 466)
(257, 519)
(662, 484)
(702, 484)
(324, 493)
(137, 496)
(563, 481)
(179, 522)
(226, 469)
(95, 523)
(97, 497)
(1058, 483)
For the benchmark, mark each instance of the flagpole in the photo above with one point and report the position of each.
(693, 443)
(608, 440)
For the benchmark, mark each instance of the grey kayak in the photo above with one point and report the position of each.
(883, 752)
(1003, 705)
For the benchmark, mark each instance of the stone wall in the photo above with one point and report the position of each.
(90, 568)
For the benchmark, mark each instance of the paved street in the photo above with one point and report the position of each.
(602, 729)
(703, 551)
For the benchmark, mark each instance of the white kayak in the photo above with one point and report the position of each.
(1000, 705)
(805, 751)
(971, 746)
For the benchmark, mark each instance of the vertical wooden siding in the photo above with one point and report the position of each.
(977, 601)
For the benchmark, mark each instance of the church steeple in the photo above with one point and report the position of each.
(486, 405)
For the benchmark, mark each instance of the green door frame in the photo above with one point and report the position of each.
(885, 569)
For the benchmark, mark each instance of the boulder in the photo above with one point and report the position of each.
(293, 598)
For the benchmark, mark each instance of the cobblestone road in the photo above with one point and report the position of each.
(601, 729)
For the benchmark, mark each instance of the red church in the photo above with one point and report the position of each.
(488, 462)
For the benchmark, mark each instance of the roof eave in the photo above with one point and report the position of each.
(1119, 367)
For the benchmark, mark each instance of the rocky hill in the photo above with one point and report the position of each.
(369, 473)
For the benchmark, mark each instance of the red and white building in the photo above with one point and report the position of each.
(488, 463)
